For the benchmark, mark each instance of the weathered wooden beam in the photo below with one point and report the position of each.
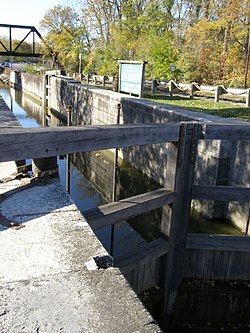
(221, 193)
(152, 251)
(127, 208)
(180, 213)
(218, 242)
(59, 115)
(17, 143)
(225, 131)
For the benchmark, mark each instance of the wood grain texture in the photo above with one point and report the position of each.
(218, 242)
(221, 193)
(24, 143)
(124, 209)
(225, 131)
(180, 214)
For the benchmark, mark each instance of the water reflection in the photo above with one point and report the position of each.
(201, 224)
(18, 103)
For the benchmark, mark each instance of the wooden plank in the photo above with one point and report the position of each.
(152, 251)
(192, 263)
(147, 275)
(201, 260)
(209, 264)
(186, 263)
(144, 272)
(185, 166)
(134, 278)
(225, 260)
(246, 267)
(21, 143)
(218, 242)
(239, 266)
(59, 115)
(221, 193)
(124, 209)
(216, 265)
(172, 152)
(128, 275)
(155, 277)
(225, 131)
(231, 265)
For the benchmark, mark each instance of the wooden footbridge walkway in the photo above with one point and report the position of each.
(178, 254)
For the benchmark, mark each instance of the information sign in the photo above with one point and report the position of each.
(131, 75)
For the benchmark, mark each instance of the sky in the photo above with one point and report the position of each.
(25, 12)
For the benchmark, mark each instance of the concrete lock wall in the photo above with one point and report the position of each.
(30, 84)
(90, 106)
(218, 162)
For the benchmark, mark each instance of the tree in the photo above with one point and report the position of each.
(131, 25)
(207, 40)
(215, 46)
(67, 36)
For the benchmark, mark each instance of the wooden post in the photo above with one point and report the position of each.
(69, 123)
(95, 81)
(187, 149)
(44, 97)
(87, 78)
(171, 88)
(192, 90)
(112, 238)
(103, 80)
(40, 165)
(217, 94)
(153, 86)
(248, 98)
(172, 152)
(115, 83)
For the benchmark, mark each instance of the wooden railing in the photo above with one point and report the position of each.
(98, 79)
(193, 89)
(45, 142)
(17, 143)
(173, 87)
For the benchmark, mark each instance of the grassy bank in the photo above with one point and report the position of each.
(221, 109)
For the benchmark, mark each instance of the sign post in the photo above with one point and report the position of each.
(80, 64)
(131, 77)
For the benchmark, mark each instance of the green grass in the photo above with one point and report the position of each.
(221, 109)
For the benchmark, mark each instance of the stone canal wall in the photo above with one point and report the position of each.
(90, 106)
(218, 162)
(30, 84)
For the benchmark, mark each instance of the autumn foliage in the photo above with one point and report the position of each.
(207, 41)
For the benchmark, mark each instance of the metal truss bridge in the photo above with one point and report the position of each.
(10, 50)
